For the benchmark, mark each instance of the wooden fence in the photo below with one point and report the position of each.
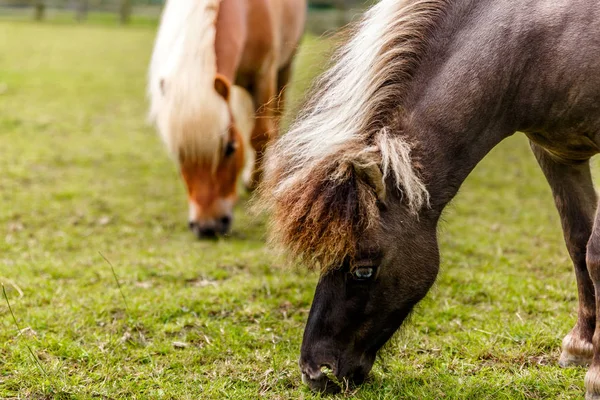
(324, 15)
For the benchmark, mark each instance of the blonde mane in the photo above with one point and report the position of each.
(320, 204)
(191, 117)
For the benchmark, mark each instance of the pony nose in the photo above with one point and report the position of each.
(225, 223)
(211, 229)
(202, 232)
(316, 380)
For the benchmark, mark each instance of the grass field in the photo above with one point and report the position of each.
(83, 177)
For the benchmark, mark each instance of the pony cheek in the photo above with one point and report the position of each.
(235, 162)
(240, 160)
(201, 193)
(226, 177)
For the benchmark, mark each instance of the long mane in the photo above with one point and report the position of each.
(320, 205)
(190, 115)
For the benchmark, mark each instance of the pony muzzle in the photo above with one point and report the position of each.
(211, 228)
(327, 370)
(210, 222)
(317, 378)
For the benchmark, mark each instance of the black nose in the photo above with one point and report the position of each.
(211, 229)
(202, 232)
(207, 233)
(225, 223)
(340, 376)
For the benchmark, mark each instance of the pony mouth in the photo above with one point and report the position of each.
(322, 381)
(211, 231)
(327, 380)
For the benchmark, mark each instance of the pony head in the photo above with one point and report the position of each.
(212, 181)
(210, 141)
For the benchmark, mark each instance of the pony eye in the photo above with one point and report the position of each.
(230, 148)
(363, 273)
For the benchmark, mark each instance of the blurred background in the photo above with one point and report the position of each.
(324, 15)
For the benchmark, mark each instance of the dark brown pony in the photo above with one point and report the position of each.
(419, 95)
(208, 125)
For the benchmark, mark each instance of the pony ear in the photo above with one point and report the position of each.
(222, 86)
(370, 173)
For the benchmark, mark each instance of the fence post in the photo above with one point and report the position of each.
(82, 10)
(40, 10)
(125, 11)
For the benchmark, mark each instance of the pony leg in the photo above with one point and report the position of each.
(575, 199)
(265, 98)
(592, 378)
(283, 78)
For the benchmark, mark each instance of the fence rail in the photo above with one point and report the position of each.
(323, 16)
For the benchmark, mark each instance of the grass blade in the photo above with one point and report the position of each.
(35, 358)
(112, 268)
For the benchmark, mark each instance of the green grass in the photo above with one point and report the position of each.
(83, 177)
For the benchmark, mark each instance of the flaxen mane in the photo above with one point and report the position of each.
(320, 200)
(191, 116)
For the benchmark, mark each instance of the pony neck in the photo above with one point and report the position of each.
(450, 138)
(449, 157)
(459, 105)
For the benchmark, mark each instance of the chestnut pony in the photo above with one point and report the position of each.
(211, 127)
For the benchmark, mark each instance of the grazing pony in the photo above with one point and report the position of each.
(422, 91)
(203, 47)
